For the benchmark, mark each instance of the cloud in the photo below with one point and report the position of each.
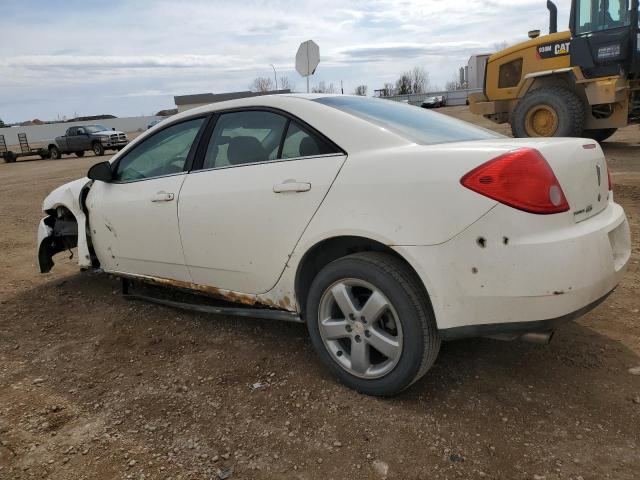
(117, 61)
(374, 53)
(141, 53)
(142, 93)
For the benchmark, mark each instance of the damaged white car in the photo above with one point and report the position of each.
(386, 228)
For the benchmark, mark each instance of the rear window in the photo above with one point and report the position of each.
(416, 124)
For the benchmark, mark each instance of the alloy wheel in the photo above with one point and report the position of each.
(360, 328)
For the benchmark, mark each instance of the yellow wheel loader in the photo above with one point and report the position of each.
(584, 82)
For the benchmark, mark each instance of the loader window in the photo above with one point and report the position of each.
(510, 74)
(596, 15)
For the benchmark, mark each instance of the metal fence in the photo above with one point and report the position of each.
(453, 97)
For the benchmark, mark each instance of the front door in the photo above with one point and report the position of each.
(77, 139)
(241, 215)
(133, 219)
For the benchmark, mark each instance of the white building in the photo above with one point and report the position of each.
(186, 102)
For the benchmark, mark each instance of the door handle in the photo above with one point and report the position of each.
(291, 186)
(162, 197)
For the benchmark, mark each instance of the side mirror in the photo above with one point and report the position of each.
(101, 172)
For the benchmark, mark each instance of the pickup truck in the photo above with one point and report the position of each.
(79, 139)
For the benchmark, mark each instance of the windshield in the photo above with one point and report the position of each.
(415, 123)
(95, 128)
(596, 15)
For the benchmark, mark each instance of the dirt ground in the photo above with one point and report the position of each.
(96, 387)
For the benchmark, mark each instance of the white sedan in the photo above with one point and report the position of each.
(384, 227)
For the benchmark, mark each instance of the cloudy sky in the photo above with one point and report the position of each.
(130, 57)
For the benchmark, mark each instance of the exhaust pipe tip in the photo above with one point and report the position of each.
(540, 338)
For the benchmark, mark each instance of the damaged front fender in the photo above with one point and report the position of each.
(65, 226)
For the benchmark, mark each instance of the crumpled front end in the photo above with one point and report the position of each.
(65, 226)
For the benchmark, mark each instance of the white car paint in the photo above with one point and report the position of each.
(236, 233)
(133, 234)
(251, 231)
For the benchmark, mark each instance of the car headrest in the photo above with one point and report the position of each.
(308, 147)
(245, 150)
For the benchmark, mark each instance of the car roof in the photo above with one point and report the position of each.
(349, 132)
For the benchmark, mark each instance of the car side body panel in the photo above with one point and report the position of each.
(135, 234)
(237, 232)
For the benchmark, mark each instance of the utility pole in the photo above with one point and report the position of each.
(341, 87)
(275, 77)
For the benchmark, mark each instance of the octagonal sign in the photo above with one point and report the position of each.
(307, 58)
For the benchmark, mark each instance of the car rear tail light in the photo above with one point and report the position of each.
(521, 179)
(609, 179)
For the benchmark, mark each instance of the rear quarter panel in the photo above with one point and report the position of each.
(403, 196)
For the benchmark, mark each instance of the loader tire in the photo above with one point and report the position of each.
(548, 112)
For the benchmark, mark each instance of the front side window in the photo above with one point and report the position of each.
(164, 153)
(414, 123)
(510, 73)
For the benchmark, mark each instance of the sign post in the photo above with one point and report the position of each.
(307, 59)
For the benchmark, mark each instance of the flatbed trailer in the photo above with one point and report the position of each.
(26, 150)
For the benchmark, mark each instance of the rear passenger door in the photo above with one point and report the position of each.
(242, 212)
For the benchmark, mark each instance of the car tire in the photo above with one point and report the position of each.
(548, 112)
(10, 157)
(80, 153)
(98, 149)
(599, 134)
(406, 329)
(54, 153)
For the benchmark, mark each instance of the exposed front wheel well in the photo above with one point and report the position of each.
(332, 249)
(64, 236)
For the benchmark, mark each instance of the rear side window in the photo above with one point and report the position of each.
(256, 136)
(414, 123)
(510, 73)
(301, 143)
(245, 137)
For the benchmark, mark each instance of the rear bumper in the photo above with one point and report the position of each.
(494, 329)
(521, 279)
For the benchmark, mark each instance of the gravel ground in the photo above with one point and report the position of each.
(94, 386)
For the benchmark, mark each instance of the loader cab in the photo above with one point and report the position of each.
(605, 37)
